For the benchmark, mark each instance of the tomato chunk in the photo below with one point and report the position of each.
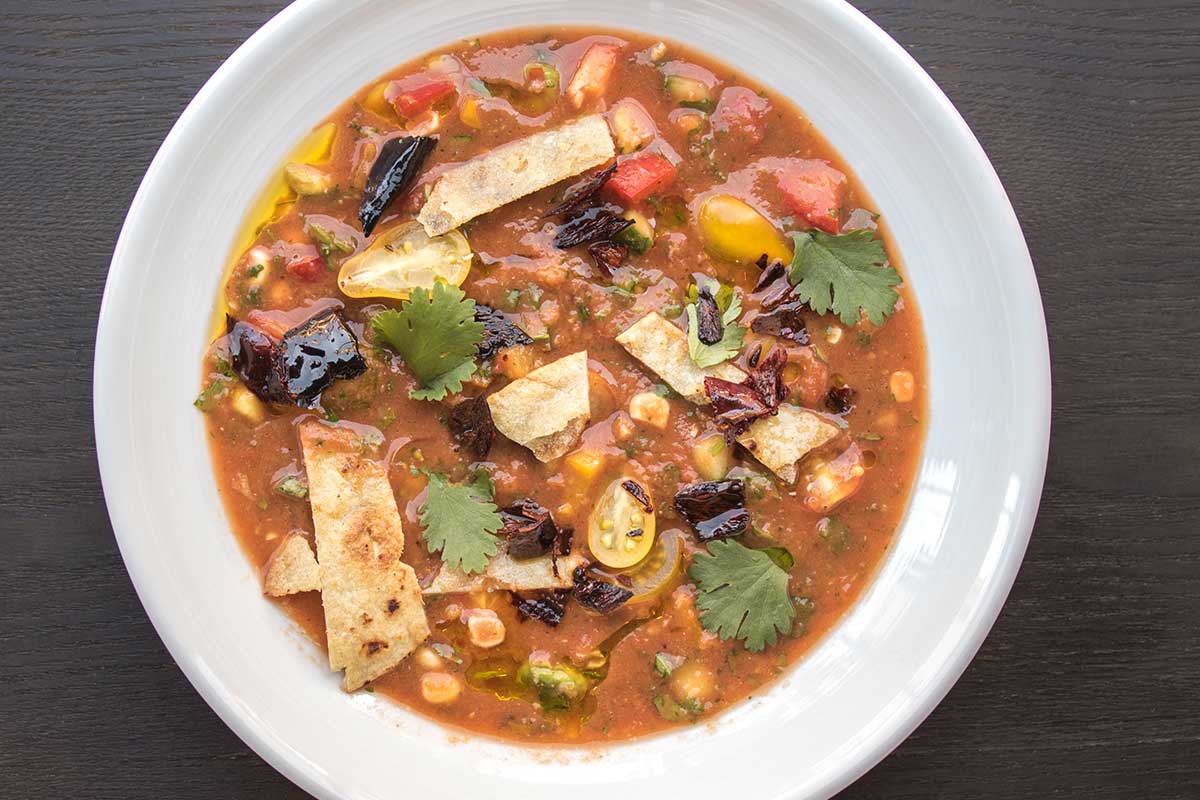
(638, 178)
(591, 76)
(815, 191)
(414, 94)
(307, 269)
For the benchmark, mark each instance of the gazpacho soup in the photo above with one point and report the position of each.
(564, 387)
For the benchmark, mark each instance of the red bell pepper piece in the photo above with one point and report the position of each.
(416, 93)
(637, 178)
(815, 191)
(308, 269)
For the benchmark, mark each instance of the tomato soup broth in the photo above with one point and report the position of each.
(714, 173)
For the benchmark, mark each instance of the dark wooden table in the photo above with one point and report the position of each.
(1089, 685)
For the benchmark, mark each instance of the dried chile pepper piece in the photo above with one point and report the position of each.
(599, 596)
(593, 225)
(710, 328)
(607, 256)
(639, 493)
(252, 354)
(546, 607)
(577, 199)
(315, 353)
(739, 405)
(840, 399)
(529, 528)
(393, 172)
(714, 509)
(498, 332)
(785, 320)
(472, 427)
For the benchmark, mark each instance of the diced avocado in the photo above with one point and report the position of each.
(689, 92)
(558, 687)
(639, 236)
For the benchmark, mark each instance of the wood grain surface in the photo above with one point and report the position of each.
(1089, 685)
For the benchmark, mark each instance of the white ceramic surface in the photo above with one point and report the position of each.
(861, 691)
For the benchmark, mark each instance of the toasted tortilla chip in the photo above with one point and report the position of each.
(546, 410)
(515, 170)
(506, 572)
(663, 348)
(374, 615)
(292, 568)
(782, 440)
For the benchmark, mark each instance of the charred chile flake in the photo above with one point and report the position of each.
(392, 173)
(546, 607)
(472, 427)
(607, 256)
(577, 199)
(599, 596)
(840, 400)
(634, 488)
(593, 225)
(714, 509)
(770, 274)
(498, 332)
(392, 605)
(709, 317)
(785, 320)
(529, 528)
(636, 533)
(766, 379)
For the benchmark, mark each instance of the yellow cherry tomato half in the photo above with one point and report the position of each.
(617, 515)
(733, 230)
(405, 258)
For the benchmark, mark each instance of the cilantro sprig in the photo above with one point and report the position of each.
(460, 522)
(435, 332)
(743, 594)
(847, 273)
(733, 335)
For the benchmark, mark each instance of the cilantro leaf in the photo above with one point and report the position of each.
(436, 334)
(743, 594)
(708, 355)
(460, 522)
(847, 273)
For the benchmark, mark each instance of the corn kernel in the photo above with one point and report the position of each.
(833, 334)
(650, 409)
(243, 401)
(902, 386)
(440, 688)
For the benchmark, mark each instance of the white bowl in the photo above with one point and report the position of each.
(861, 691)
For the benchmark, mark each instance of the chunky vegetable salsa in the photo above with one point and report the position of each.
(565, 388)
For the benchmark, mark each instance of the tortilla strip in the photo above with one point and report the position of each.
(778, 441)
(292, 568)
(515, 170)
(506, 572)
(663, 348)
(546, 410)
(374, 615)
(782, 440)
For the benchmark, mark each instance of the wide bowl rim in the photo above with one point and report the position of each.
(308, 775)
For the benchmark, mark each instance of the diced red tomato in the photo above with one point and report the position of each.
(416, 93)
(815, 191)
(591, 76)
(741, 112)
(638, 178)
(307, 269)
